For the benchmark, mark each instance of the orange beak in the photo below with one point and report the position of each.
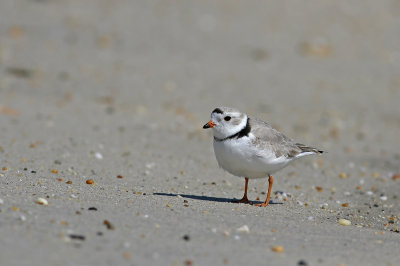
(210, 124)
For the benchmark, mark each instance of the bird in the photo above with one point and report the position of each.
(248, 147)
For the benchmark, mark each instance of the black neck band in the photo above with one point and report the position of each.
(244, 132)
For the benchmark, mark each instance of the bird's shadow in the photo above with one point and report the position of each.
(208, 198)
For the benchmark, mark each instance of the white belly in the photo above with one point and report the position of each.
(240, 158)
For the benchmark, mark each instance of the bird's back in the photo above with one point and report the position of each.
(268, 138)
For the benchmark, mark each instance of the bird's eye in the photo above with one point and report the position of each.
(227, 118)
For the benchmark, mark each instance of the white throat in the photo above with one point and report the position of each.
(224, 131)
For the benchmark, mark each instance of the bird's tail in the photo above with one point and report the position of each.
(305, 148)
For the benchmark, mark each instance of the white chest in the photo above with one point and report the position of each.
(241, 158)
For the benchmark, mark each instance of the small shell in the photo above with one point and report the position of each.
(42, 201)
(344, 222)
(243, 229)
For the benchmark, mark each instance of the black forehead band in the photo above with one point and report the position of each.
(218, 111)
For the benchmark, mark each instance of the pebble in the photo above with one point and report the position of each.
(319, 189)
(384, 198)
(98, 155)
(302, 263)
(127, 255)
(344, 222)
(42, 201)
(343, 175)
(323, 205)
(226, 233)
(321, 49)
(243, 229)
(77, 237)
(1, 201)
(90, 182)
(150, 165)
(109, 225)
(278, 249)
(188, 262)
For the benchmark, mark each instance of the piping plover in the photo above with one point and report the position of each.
(249, 147)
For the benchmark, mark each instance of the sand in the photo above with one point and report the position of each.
(101, 89)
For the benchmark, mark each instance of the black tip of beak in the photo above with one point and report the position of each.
(206, 126)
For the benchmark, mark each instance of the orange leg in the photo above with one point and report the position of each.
(244, 199)
(270, 181)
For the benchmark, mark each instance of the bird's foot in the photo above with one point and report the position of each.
(243, 200)
(264, 204)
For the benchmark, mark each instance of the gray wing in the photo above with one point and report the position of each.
(268, 138)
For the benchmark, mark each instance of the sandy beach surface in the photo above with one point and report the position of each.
(102, 105)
